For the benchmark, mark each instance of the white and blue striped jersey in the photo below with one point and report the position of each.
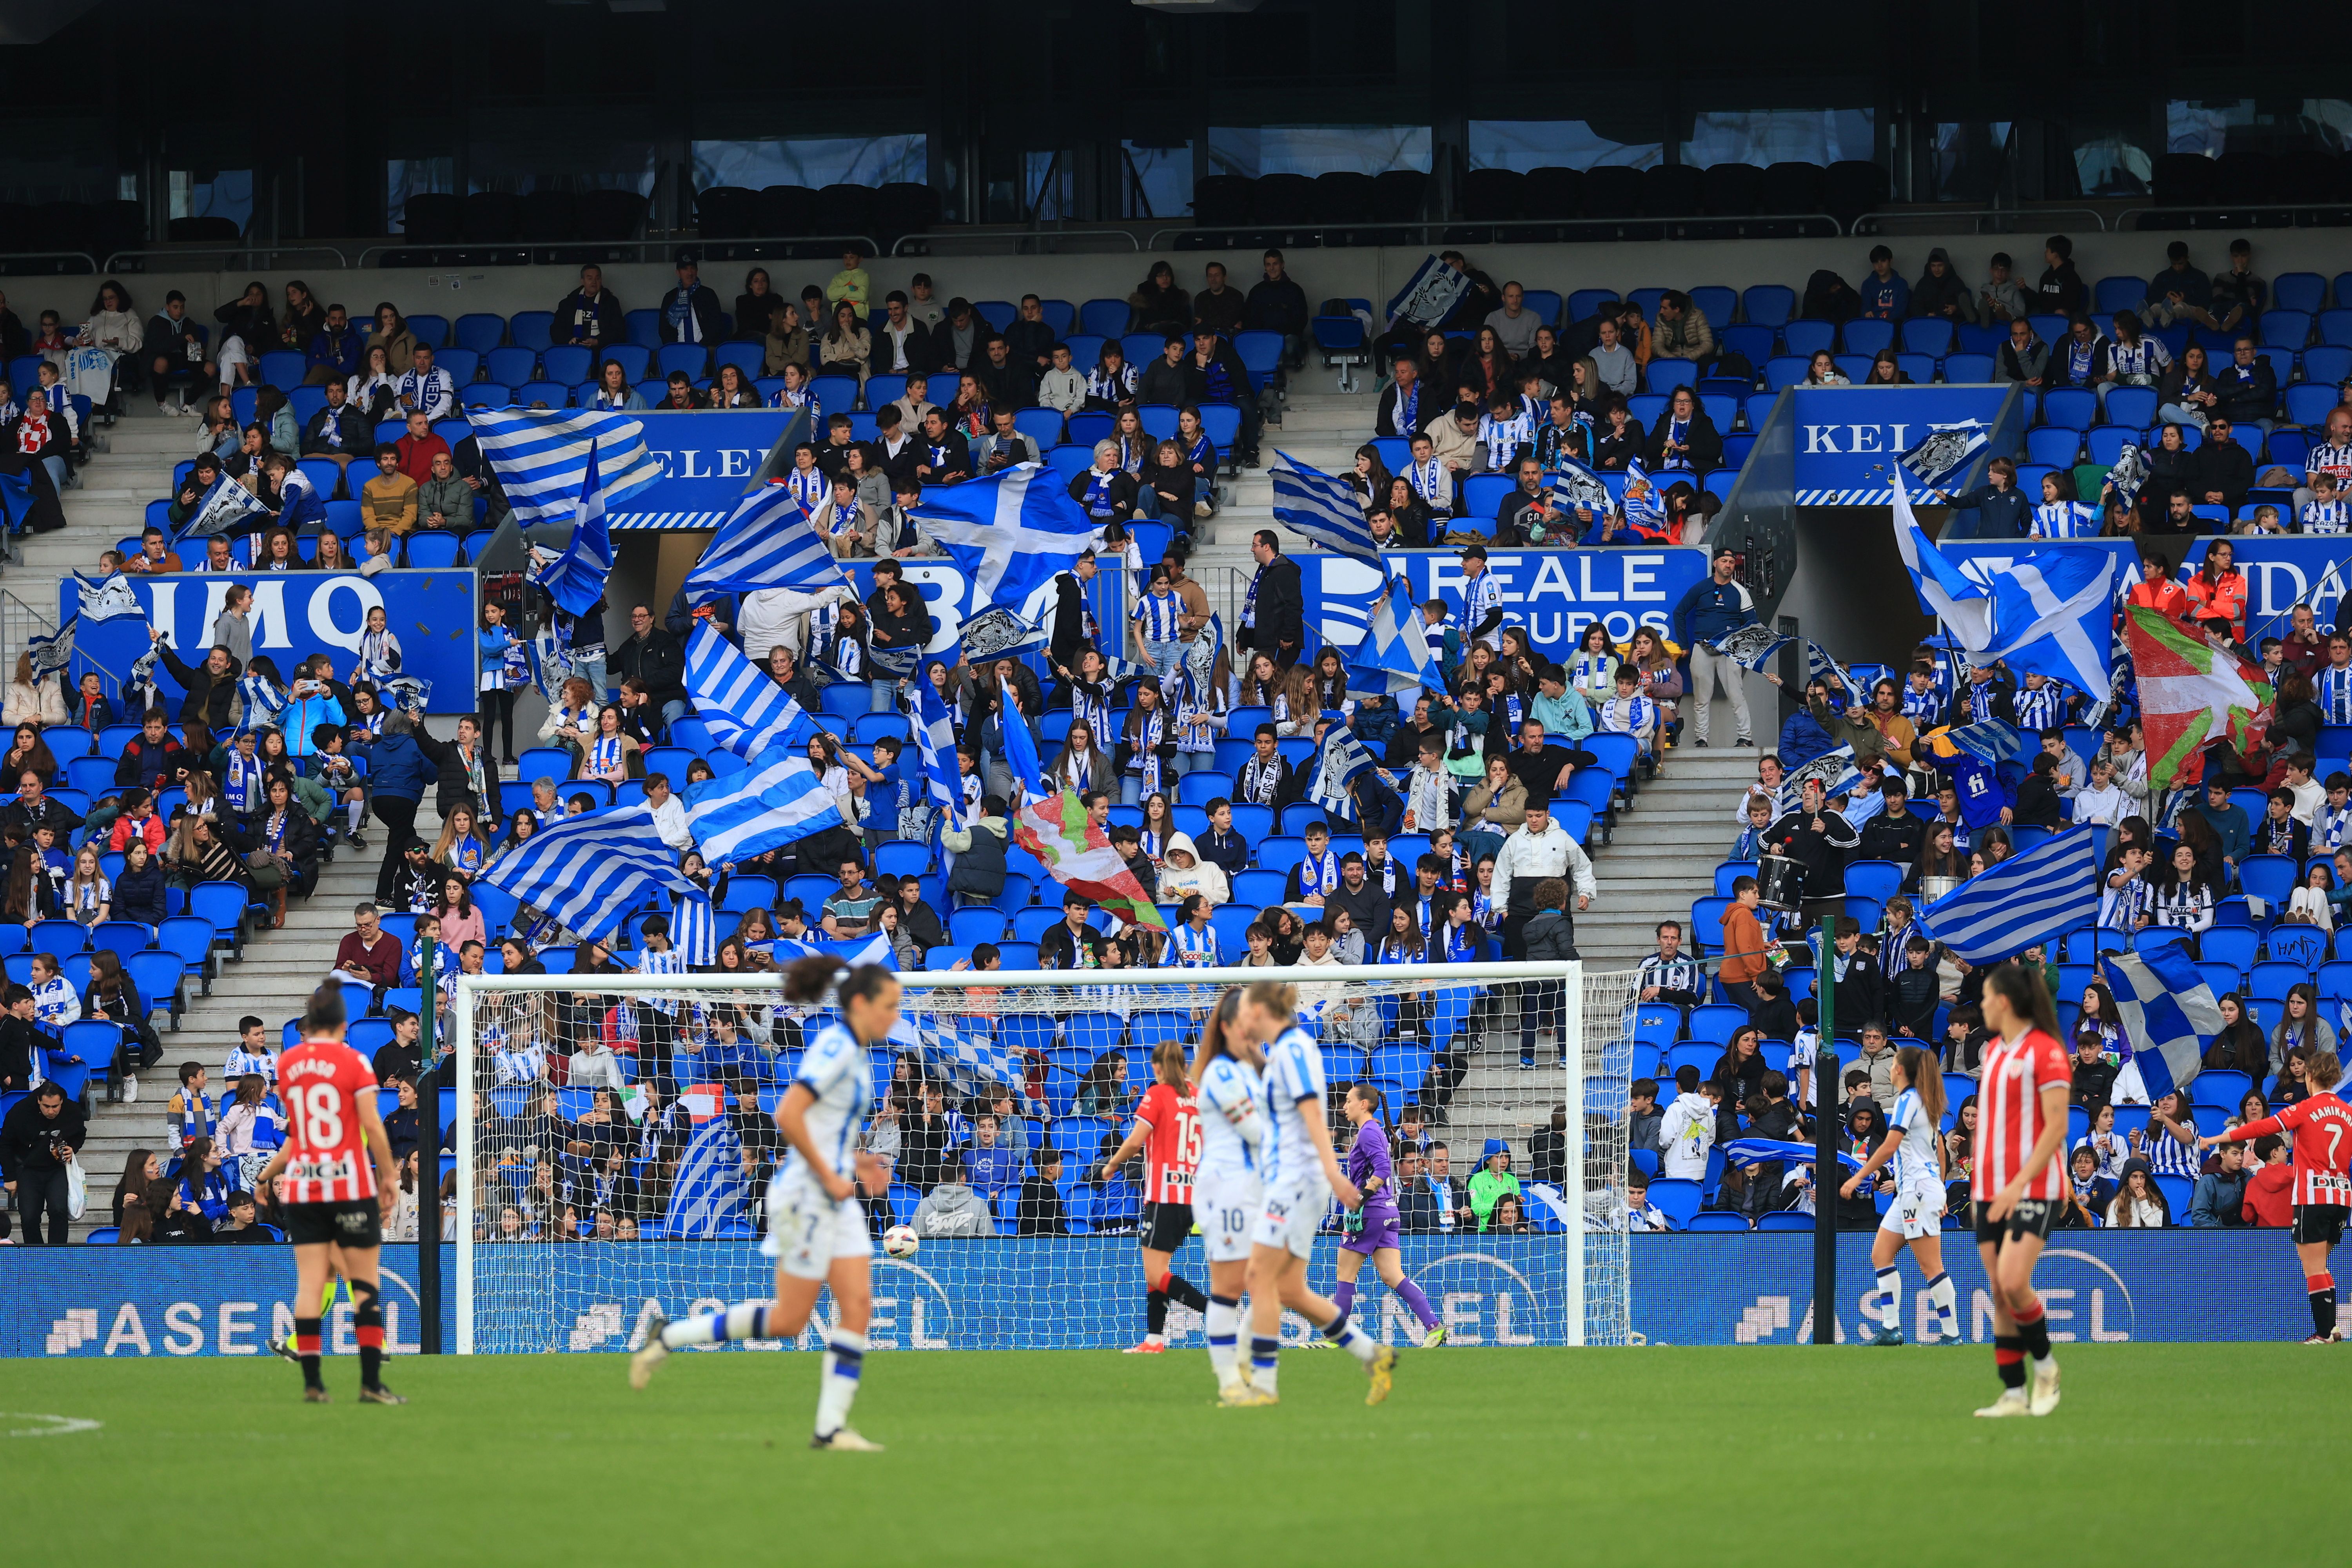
(2330, 827)
(1479, 595)
(1915, 1157)
(1922, 707)
(2042, 710)
(2168, 1156)
(1193, 948)
(1156, 615)
(1293, 1072)
(1504, 438)
(2332, 689)
(1235, 1119)
(2327, 517)
(835, 1069)
(2065, 519)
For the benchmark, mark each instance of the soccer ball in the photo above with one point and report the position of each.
(901, 1241)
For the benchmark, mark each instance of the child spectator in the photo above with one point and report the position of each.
(1643, 1118)
(1687, 1132)
(2326, 511)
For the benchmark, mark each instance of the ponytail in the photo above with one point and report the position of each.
(1926, 1081)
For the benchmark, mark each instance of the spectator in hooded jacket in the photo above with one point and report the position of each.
(1940, 292)
(1277, 304)
(2060, 290)
(1884, 295)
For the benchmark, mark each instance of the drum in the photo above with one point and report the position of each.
(1934, 887)
(1781, 883)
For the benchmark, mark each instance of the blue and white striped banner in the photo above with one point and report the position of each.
(2168, 1014)
(775, 802)
(1341, 762)
(542, 459)
(589, 871)
(705, 1196)
(875, 950)
(575, 579)
(769, 542)
(694, 927)
(935, 743)
(1325, 508)
(953, 1048)
(744, 710)
(2027, 899)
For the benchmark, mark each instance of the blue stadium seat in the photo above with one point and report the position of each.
(645, 327)
(692, 358)
(480, 332)
(1752, 342)
(2287, 329)
(2117, 293)
(2053, 444)
(2132, 406)
(511, 365)
(1867, 335)
(1927, 335)
(1102, 318)
(2069, 406)
(1805, 339)
(432, 548)
(531, 329)
(431, 331)
(1662, 375)
(2304, 291)
(1769, 304)
(569, 363)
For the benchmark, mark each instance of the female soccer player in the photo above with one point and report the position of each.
(1168, 1122)
(1302, 1176)
(817, 1228)
(1916, 1215)
(2322, 1126)
(335, 1202)
(1371, 1228)
(1235, 1120)
(2019, 1185)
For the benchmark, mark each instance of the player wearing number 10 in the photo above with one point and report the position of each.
(335, 1201)
(817, 1228)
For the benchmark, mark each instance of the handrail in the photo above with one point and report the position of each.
(1020, 238)
(1931, 214)
(1423, 226)
(51, 256)
(2230, 209)
(663, 246)
(174, 253)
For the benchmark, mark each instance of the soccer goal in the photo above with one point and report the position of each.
(583, 1210)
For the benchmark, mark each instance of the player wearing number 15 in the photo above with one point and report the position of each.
(2322, 1127)
(335, 1200)
(817, 1228)
(1168, 1126)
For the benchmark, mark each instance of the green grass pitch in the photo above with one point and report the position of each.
(2183, 1453)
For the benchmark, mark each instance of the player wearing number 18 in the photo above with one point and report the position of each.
(2322, 1128)
(335, 1200)
(1168, 1125)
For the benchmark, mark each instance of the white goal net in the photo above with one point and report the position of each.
(614, 1134)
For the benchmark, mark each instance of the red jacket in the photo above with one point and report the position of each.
(125, 829)
(2168, 597)
(2270, 1195)
(417, 457)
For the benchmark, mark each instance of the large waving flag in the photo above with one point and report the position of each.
(1574, 485)
(1021, 752)
(2054, 612)
(2168, 1014)
(775, 802)
(2190, 692)
(769, 542)
(1945, 592)
(965, 1056)
(935, 744)
(1309, 501)
(1011, 535)
(1340, 761)
(705, 1196)
(227, 508)
(575, 579)
(2030, 897)
(1393, 658)
(1080, 856)
(590, 871)
(744, 710)
(541, 457)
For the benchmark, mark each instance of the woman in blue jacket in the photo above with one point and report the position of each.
(2003, 510)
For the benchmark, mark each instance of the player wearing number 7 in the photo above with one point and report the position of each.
(2322, 1128)
(335, 1202)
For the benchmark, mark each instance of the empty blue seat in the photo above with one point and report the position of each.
(2132, 406)
(1867, 335)
(1769, 304)
(1927, 335)
(2069, 406)
(1807, 338)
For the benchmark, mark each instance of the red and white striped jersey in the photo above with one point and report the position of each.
(1173, 1151)
(2322, 1127)
(2009, 1117)
(319, 1082)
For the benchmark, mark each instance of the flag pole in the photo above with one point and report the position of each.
(1827, 1069)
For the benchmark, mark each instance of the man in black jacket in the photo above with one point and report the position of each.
(212, 686)
(174, 347)
(1030, 339)
(653, 657)
(1277, 304)
(689, 313)
(1214, 373)
(2247, 385)
(2225, 471)
(1895, 834)
(1274, 614)
(946, 455)
(590, 315)
(902, 344)
(1040, 1210)
(1073, 629)
(1061, 945)
(338, 432)
(1006, 381)
(33, 807)
(36, 1141)
(1407, 407)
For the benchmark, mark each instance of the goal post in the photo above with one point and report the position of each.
(579, 1216)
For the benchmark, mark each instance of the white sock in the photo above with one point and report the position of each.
(1263, 1365)
(1222, 1322)
(844, 1359)
(1890, 1300)
(357, 810)
(743, 1321)
(1342, 1332)
(1946, 1303)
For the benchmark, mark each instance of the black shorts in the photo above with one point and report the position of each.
(2323, 1222)
(1165, 1226)
(356, 1223)
(2032, 1216)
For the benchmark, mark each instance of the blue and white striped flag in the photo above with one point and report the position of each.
(107, 598)
(2031, 898)
(705, 1196)
(1338, 763)
(1574, 485)
(264, 701)
(1939, 461)
(1944, 591)
(965, 1058)
(1011, 536)
(2168, 1014)
(776, 801)
(587, 872)
(52, 653)
(935, 744)
(875, 950)
(693, 927)
(744, 710)
(769, 542)
(575, 579)
(227, 508)
(541, 457)
(1642, 509)
(1430, 295)
(1393, 658)
(1309, 501)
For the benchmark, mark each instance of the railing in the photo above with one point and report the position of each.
(89, 263)
(1023, 242)
(1933, 216)
(532, 252)
(20, 623)
(255, 257)
(1431, 231)
(2230, 210)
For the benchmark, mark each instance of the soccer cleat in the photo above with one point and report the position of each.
(1435, 1338)
(1240, 1395)
(651, 1354)
(284, 1350)
(1313, 1342)
(316, 1396)
(1872, 1335)
(2013, 1401)
(1384, 1362)
(1947, 1340)
(845, 1441)
(2045, 1388)
(1147, 1346)
(380, 1395)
